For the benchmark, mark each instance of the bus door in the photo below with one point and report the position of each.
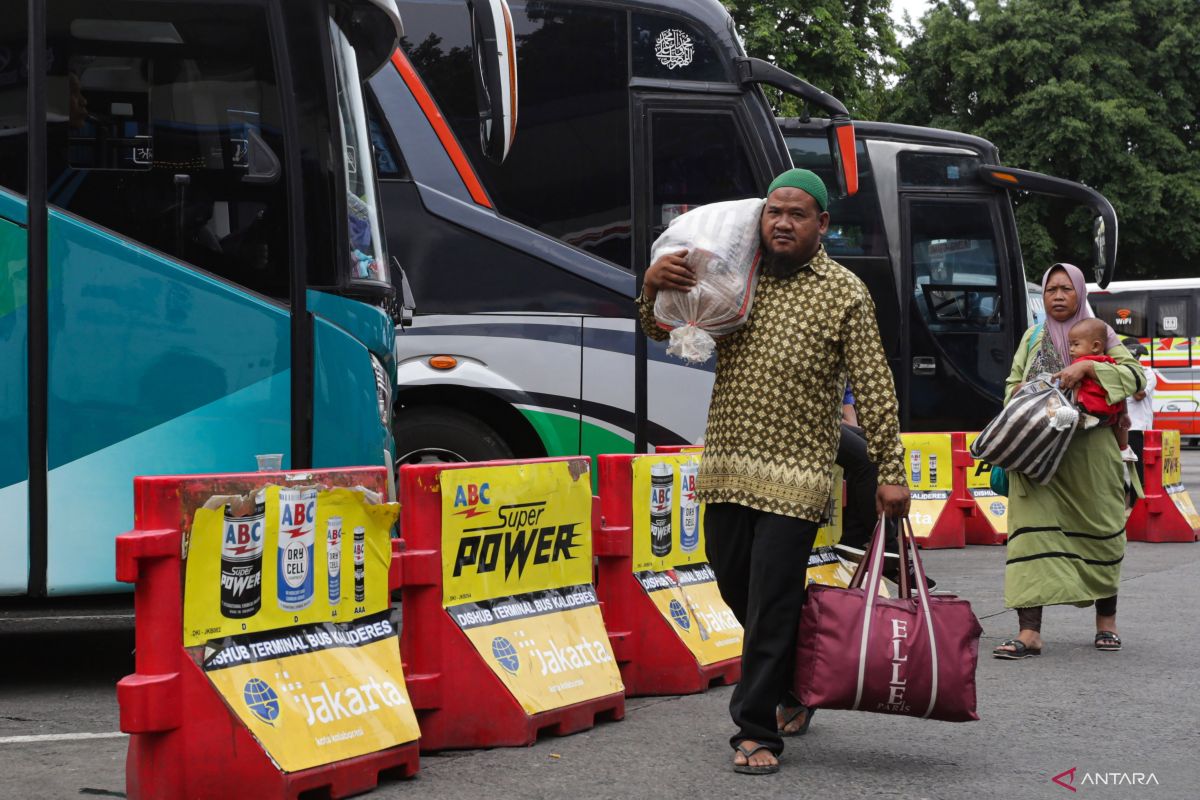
(693, 150)
(169, 338)
(1176, 406)
(14, 313)
(956, 267)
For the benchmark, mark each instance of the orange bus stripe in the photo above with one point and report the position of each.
(445, 135)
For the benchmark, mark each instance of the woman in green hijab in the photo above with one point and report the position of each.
(1066, 539)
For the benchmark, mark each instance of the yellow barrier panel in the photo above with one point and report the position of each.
(929, 468)
(994, 507)
(669, 556)
(517, 579)
(1172, 472)
(288, 591)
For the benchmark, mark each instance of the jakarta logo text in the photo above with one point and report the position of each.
(261, 700)
(505, 654)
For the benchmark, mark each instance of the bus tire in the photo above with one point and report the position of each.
(445, 435)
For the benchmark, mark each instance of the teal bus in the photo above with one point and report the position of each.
(192, 262)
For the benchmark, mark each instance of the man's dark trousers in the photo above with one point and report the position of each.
(760, 560)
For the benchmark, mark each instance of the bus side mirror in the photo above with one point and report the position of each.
(495, 56)
(1104, 250)
(842, 148)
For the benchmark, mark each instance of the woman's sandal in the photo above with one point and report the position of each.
(1107, 641)
(1019, 650)
(748, 768)
(790, 718)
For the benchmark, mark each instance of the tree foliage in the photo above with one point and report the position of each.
(846, 47)
(1099, 91)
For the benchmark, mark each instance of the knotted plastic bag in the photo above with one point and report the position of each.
(722, 240)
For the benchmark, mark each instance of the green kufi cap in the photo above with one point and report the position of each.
(806, 181)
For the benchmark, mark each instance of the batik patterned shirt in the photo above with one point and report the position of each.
(775, 415)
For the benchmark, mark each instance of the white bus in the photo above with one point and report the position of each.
(1165, 317)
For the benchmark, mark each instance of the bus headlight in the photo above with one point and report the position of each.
(383, 391)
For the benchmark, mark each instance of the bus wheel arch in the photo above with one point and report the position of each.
(464, 424)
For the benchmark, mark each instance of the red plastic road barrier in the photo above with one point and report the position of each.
(652, 658)
(459, 700)
(974, 499)
(1158, 516)
(184, 742)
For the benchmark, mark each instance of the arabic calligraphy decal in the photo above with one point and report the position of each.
(674, 48)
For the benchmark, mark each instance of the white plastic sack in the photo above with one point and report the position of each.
(722, 240)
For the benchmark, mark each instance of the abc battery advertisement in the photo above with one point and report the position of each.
(517, 579)
(669, 560)
(286, 588)
(285, 557)
(928, 462)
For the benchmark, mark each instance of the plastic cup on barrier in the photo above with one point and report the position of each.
(270, 462)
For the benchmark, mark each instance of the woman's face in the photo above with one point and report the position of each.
(1060, 296)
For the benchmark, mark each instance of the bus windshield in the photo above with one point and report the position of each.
(366, 257)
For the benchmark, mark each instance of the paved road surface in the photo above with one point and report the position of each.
(1128, 712)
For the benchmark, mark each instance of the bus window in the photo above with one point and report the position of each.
(367, 262)
(926, 170)
(567, 174)
(1171, 317)
(1035, 302)
(697, 158)
(669, 49)
(955, 267)
(1125, 312)
(855, 222)
(388, 163)
(13, 30)
(179, 141)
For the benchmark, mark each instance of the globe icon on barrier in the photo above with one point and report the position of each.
(505, 654)
(680, 615)
(261, 700)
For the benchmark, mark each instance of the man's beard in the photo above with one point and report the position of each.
(780, 265)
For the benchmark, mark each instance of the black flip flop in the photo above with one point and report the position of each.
(789, 719)
(1019, 650)
(1107, 641)
(747, 769)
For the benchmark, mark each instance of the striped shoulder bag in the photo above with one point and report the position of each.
(1032, 432)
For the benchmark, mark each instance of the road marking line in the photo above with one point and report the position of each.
(60, 737)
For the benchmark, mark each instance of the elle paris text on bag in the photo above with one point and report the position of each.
(913, 655)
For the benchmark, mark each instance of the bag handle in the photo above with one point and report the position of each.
(867, 564)
(870, 570)
(908, 546)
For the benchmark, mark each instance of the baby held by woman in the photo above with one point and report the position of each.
(1087, 339)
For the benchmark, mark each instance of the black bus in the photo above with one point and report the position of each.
(523, 265)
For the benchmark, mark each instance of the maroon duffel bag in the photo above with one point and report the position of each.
(913, 655)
